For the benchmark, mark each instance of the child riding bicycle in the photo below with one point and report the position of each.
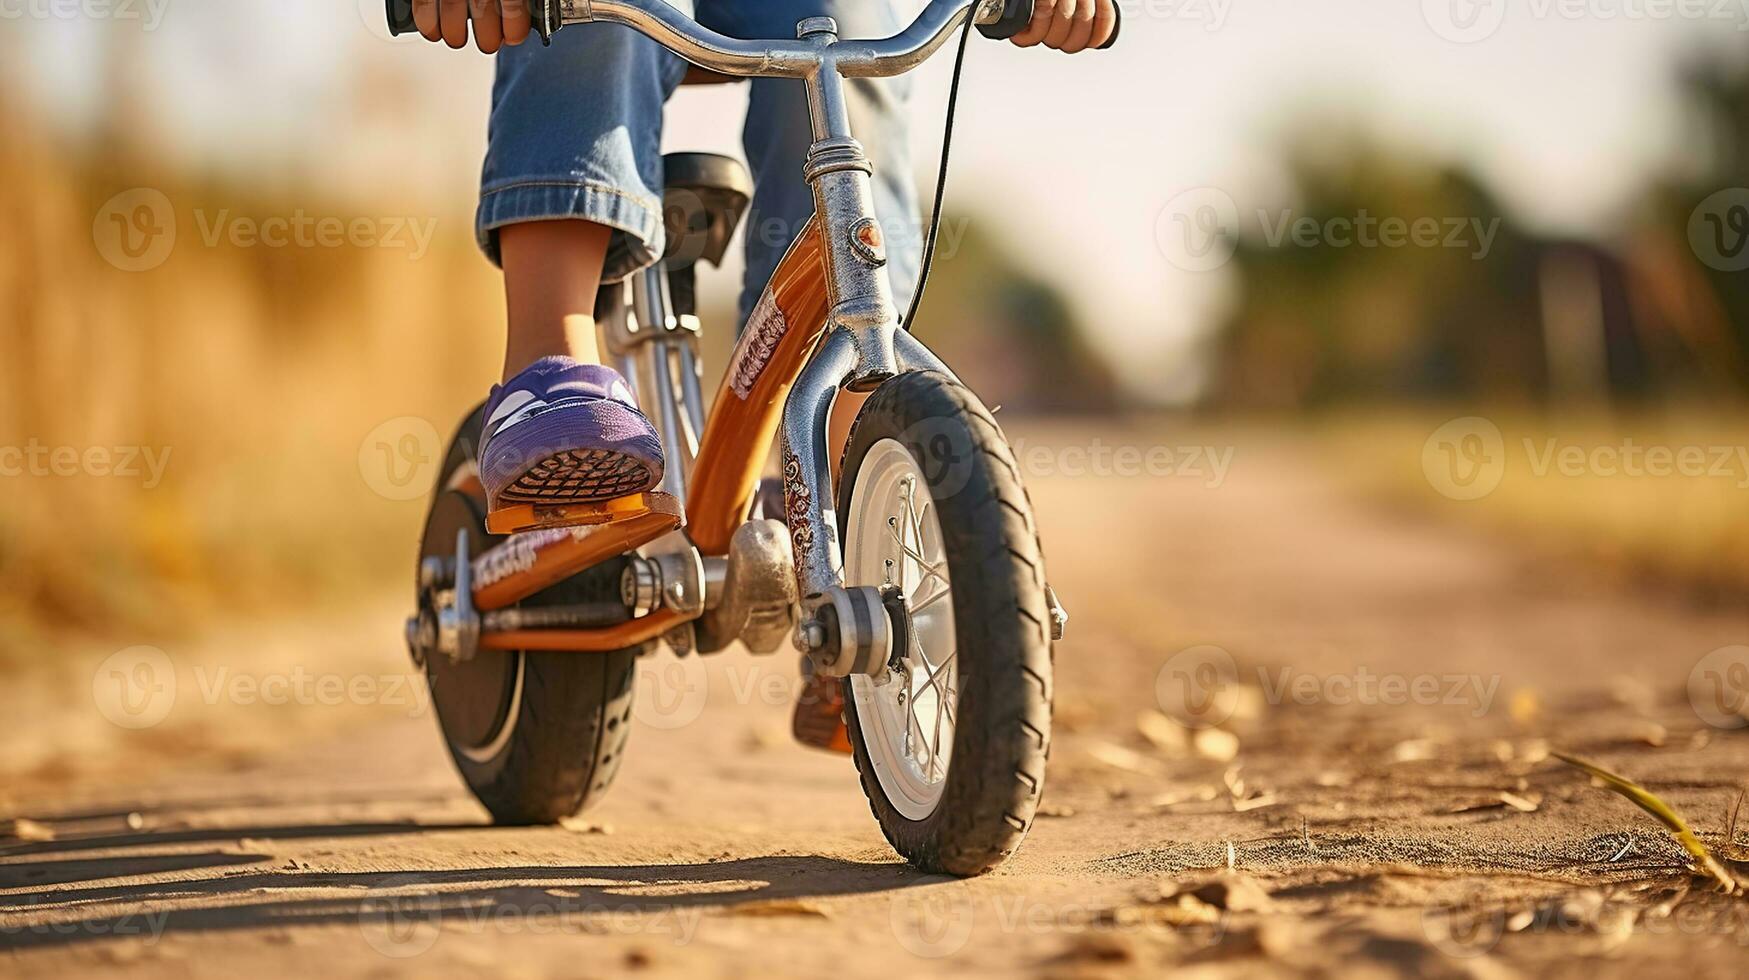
(571, 199)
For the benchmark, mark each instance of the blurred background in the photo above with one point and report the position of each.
(1341, 223)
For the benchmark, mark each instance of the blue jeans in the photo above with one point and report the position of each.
(576, 133)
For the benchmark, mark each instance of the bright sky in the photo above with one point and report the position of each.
(1563, 104)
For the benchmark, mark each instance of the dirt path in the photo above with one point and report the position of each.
(1389, 681)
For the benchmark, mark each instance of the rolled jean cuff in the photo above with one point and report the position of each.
(636, 220)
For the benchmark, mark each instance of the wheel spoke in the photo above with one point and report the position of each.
(924, 565)
(911, 719)
(940, 712)
(920, 605)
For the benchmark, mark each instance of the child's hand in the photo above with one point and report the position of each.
(1070, 25)
(496, 22)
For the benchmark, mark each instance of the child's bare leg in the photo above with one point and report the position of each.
(561, 429)
(552, 270)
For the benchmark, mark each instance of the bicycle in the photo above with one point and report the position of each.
(924, 616)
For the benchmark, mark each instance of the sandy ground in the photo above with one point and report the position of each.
(1387, 692)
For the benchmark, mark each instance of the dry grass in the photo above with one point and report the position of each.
(1682, 530)
(1705, 865)
(258, 370)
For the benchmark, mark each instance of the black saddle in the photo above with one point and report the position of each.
(704, 197)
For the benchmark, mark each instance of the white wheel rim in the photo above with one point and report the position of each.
(907, 715)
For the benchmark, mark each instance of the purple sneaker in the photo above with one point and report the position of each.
(563, 432)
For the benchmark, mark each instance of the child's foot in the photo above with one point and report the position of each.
(563, 432)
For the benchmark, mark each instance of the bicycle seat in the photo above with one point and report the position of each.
(704, 197)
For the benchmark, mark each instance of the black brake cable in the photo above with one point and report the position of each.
(953, 96)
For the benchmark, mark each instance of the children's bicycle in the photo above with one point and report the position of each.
(913, 585)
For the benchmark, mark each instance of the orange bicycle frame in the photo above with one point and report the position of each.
(741, 428)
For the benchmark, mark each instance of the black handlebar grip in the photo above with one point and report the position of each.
(544, 12)
(1016, 15)
(401, 17)
(1116, 26)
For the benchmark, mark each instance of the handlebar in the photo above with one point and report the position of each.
(725, 55)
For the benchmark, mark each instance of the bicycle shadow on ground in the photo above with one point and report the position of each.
(393, 903)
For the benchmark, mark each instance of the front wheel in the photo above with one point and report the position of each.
(951, 739)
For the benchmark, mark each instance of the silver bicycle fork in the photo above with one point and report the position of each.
(842, 630)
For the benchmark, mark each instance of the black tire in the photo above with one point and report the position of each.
(572, 710)
(1002, 738)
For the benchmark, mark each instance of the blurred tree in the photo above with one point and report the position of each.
(1011, 335)
(1640, 315)
(1326, 318)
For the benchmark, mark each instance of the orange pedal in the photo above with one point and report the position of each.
(534, 517)
(819, 717)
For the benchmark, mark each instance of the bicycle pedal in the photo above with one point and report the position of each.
(515, 518)
(819, 717)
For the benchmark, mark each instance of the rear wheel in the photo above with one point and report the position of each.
(951, 739)
(537, 735)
